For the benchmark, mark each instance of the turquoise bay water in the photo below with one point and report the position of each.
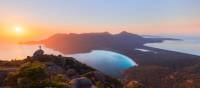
(188, 45)
(110, 63)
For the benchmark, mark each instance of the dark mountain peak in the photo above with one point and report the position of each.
(101, 34)
(124, 32)
(82, 35)
(58, 36)
(96, 34)
(128, 34)
(106, 33)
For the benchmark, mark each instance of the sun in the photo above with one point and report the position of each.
(18, 30)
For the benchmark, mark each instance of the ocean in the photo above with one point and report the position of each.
(188, 45)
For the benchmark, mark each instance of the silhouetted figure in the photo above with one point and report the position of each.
(40, 47)
(39, 52)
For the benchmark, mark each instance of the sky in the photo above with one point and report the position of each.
(39, 18)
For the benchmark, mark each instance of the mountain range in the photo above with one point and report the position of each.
(79, 43)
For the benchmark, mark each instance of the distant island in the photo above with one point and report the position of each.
(79, 43)
(163, 69)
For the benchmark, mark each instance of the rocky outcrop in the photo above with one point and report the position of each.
(38, 53)
(82, 82)
(42, 71)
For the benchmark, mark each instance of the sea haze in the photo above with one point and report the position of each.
(13, 51)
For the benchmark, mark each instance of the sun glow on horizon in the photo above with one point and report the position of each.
(15, 33)
(19, 30)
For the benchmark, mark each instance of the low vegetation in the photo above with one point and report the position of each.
(49, 71)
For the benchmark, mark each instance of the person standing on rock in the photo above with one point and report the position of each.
(39, 52)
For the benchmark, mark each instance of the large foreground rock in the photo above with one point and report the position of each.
(82, 82)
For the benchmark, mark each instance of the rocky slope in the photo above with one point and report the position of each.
(42, 71)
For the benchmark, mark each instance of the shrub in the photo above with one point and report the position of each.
(33, 75)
